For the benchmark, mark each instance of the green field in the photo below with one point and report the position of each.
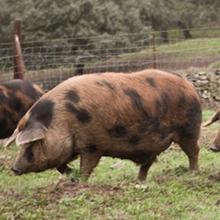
(175, 55)
(187, 49)
(171, 191)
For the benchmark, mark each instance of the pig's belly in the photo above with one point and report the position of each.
(140, 153)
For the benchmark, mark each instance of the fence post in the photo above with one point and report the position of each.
(19, 67)
(154, 51)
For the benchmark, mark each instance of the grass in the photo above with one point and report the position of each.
(186, 49)
(171, 192)
(178, 55)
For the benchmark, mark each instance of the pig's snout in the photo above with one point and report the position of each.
(16, 171)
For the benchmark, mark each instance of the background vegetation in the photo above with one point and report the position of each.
(90, 31)
(57, 19)
(94, 30)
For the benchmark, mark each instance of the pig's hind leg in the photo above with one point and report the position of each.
(191, 149)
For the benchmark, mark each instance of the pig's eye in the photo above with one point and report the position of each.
(29, 153)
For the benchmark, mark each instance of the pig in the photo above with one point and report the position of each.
(16, 97)
(216, 144)
(129, 116)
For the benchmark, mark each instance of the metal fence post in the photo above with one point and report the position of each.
(19, 67)
(154, 51)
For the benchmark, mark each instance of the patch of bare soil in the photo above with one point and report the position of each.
(68, 188)
(215, 177)
(160, 179)
(11, 193)
(207, 136)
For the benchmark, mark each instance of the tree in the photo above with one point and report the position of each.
(159, 14)
(57, 19)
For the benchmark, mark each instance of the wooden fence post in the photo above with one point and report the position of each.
(154, 51)
(19, 68)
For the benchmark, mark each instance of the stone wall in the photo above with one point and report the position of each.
(207, 83)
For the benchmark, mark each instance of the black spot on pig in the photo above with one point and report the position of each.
(29, 153)
(81, 114)
(182, 101)
(135, 98)
(190, 126)
(137, 102)
(194, 110)
(182, 130)
(72, 96)
(162, 105)
(43, 112)
(106, 84)
(193, 116)
(118, 131)
(151, 82)
(134, 140)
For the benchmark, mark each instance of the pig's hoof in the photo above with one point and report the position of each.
(141, 181)
(141, 186)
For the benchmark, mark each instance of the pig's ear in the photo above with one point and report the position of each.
(11, 139)
(213, 119)
(32, 133)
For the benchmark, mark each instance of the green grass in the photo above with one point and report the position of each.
(171, 191)
(186, 50)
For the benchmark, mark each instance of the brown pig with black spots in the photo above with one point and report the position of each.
(129, 116)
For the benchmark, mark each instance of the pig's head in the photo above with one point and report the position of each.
(216, 144)
(41, 145)
(32, 154)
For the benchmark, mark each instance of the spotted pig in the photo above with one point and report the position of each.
(16, 97)
(129, 116)
(216, 144)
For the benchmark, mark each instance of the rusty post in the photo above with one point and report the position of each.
(19, 67)
(154, 51)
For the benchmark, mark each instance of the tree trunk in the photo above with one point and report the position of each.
(185, 30)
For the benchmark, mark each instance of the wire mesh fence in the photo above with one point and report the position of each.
(51, 61)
